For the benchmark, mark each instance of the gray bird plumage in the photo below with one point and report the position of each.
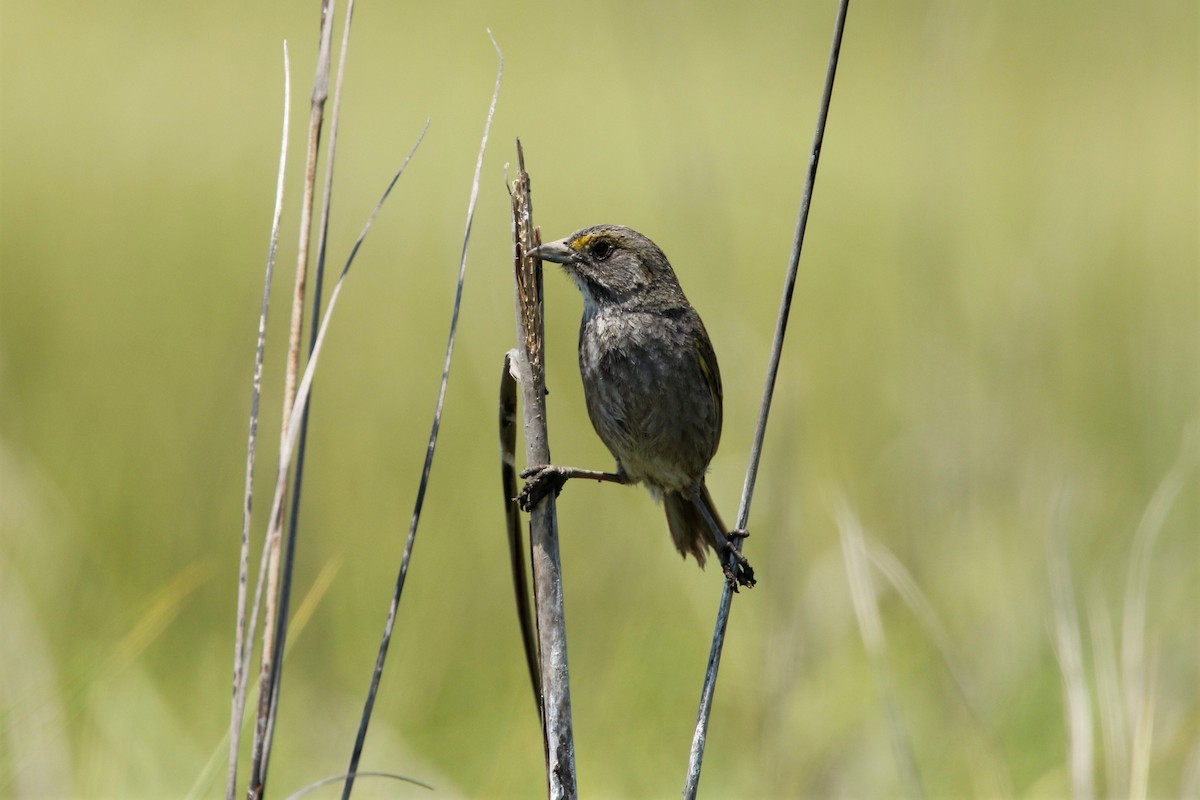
(650, 377)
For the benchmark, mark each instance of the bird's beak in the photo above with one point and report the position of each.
(559, 252)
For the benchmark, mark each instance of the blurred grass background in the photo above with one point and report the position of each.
(993, 356)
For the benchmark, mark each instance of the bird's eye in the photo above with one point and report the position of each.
(602, 250)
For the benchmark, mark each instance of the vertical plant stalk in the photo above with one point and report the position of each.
(557, 733)
(275, 532)
(512, 521)
(287, 447)
(283, 609)
(700, 735)
(241, 650)
(360, 738)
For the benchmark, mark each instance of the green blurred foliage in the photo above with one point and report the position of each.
(993, 353)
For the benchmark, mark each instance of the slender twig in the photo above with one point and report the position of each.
(512, 519)
(336, 778)
(699, 737)
(287, 446)
(557, 734)
(241, 652)
(316, 122)
(274, 537)
(385, 641)
(289, 562)
(304, 612)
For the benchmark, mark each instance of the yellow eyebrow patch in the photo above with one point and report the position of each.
(583, 241)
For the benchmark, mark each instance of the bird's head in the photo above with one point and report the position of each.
(612, 265)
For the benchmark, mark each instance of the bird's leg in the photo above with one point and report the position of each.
(541, 481)
(736, 566)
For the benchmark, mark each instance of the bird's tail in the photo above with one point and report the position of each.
(695, 524)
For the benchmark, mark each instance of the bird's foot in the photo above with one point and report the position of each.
(539, 482)
(736, 567)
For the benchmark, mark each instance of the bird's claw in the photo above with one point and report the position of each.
(539, 482)
(736, 567)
